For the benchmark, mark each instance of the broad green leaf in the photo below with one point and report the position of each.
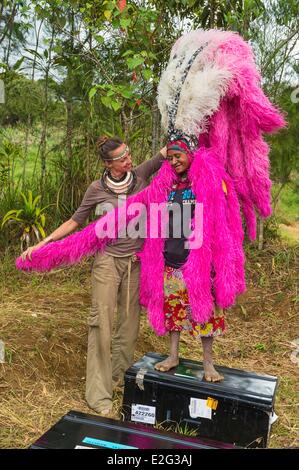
(133, 62)
(41, 230)
(126, 93)
(43, 219)
(18, 63)
(30, 197)
(24, 197)
(10, 215)
(33, 52)
(106, 101)
(58, 49)
(36, 200)
(99, 38)
(13, 211)
(125, 22)
(12, 219)
(19, 212)
(147, 73)
(59, 61)
(115, 105)
(92, 92)
(129, 52)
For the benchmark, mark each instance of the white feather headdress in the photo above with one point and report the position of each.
(210, 94)
(192, 85)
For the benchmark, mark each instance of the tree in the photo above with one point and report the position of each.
(24, 98)
(285, 151)
(13, 26)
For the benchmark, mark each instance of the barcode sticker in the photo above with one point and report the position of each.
(143, 414)
(198, 409)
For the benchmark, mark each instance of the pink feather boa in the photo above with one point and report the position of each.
(213, 271)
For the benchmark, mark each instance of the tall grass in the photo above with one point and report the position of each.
(65, 183)
(287, 210)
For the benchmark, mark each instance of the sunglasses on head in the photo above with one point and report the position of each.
(123, 154)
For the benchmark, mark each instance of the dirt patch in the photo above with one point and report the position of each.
(43, 324)
(290, 232)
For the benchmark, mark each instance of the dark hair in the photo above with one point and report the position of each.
(106, 144)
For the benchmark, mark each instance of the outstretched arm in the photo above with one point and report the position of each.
(83, 243)
(62, 231)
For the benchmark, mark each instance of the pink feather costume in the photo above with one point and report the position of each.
(232, 114)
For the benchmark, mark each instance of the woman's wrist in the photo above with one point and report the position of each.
(48, 239)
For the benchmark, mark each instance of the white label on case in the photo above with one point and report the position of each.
(83, 447)
(273, 418)
(198, 408)
(143, 414)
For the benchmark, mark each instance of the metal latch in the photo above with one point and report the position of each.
(140, 377)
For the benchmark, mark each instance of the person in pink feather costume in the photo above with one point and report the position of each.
(210, 97)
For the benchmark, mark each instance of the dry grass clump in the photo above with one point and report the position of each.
(43, 325)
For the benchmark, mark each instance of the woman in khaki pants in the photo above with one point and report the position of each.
(115, 273)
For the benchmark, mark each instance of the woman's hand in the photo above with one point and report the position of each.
(62, 231)
(163, 151)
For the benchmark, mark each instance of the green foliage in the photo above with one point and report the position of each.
(180, 428)
(260, 347)
(286, 258)
(30, 218)
(94, 68)
(9, 354)
(23, 99)
(287, 211)
(271, 229)
(14, 26)
(4, 173)
(285, 150)
(10, 155)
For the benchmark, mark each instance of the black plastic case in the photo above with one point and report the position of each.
(238, 410)
(78, 430)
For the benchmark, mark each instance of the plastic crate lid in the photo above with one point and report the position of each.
(238, 384)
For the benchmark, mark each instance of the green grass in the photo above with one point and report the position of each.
(288, 207)
(290, 239)
(18, 135)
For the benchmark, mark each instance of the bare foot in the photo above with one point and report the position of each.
(167, 364)
(108, 413)
(211, 374)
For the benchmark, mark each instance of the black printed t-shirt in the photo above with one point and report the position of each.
(181, 206)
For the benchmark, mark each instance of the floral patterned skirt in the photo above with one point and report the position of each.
(177, 310)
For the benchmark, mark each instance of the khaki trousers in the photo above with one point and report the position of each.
(115, 284)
